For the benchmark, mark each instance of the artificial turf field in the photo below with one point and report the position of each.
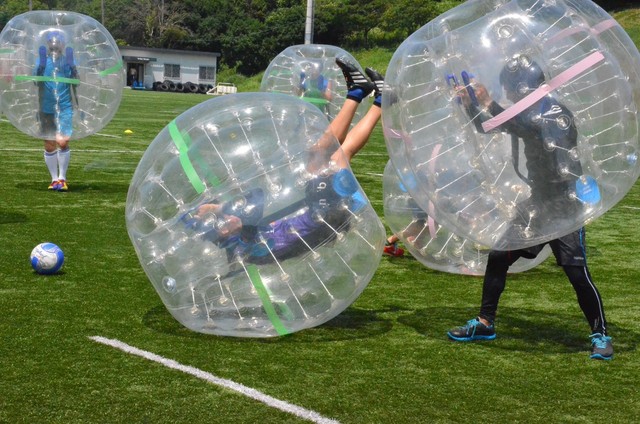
(386, 359)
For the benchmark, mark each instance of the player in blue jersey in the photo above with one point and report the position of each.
(313, 83)
(56, 88)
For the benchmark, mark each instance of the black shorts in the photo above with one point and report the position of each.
(569, 250)
(47, 123)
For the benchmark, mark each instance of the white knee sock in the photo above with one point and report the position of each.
(63, 163)
(51, 159)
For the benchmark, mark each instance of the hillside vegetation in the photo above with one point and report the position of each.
(379, 57)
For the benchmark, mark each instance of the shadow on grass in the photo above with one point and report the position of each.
(351, 324)
(12, 217)
(522, 329)
(78, 187)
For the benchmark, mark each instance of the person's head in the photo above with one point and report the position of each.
(520, 76)
(224, 225)
(55, 41)
(237, 216)
(313, 69)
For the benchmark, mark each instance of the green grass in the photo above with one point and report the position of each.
(630, 20)
(385, 359)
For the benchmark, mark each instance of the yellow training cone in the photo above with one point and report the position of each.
(128, 132)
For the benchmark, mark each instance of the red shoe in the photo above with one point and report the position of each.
(393, 250)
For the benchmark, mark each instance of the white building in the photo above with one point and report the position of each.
(146, 66)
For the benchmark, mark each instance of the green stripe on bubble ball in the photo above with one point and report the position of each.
(74, 81)
(265, 298)
(182, 142)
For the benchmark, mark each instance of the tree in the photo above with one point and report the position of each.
(406, 16)
(12, 8)
(364, 15)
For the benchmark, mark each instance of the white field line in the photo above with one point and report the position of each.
(227, 384)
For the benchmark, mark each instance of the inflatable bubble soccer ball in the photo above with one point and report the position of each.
(61, 73)
(518, 120)
(431, 243)
(245, 223)
(309, 71)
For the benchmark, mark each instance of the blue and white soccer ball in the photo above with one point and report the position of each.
(47, 258)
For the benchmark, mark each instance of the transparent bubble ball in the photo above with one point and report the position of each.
(244, 223)
(565, 71)
(72, 58)
(309, 71)
(432, 244)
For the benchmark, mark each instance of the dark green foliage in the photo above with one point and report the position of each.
(250, 33)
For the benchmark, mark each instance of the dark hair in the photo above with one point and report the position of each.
(521, 75)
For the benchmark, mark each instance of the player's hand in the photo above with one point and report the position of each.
(463, 95)
(482, 94)
(207, 208)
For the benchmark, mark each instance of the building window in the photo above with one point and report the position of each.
(207, 73)
(171, 71)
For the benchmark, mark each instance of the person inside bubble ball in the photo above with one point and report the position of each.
(548, 132)
(314, 87)
(313, 83)
(331, 197)
(56, 67)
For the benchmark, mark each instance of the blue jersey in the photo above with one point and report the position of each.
(56, 96)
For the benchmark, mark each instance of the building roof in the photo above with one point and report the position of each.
(157, 51)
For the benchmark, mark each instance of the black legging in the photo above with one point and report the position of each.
(496, 276)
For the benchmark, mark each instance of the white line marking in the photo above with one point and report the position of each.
(108, 135)
(227, 384)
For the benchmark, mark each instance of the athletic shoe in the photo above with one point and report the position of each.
(474, 330)
(601, 347)
(358, 86)
(53, 186)
(62, 186)
(378, 80)
(392, 249)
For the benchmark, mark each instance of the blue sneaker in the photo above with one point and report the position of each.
(474, 330)
(601, 347)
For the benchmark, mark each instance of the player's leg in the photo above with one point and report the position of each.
(48, 128)
(569, 251)
(64, 153)
(495, 278)
(360, 133)
(51, 160)
(590, 302)
(358, 87)
(391, 247)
